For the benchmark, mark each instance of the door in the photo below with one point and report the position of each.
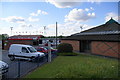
(85, 46)
(82, 46)
(25, 52)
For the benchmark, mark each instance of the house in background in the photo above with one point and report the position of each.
(52, 40)
(22, 39)
(33, 40)
(101, 40)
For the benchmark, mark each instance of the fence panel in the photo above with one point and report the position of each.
(19, 68)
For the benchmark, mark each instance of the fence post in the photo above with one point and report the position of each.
(49, 52)
(38, 60)
(18, 68)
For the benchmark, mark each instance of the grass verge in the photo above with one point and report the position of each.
(81, 66)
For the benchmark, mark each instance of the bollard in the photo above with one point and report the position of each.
(38, 60)
(49, 52)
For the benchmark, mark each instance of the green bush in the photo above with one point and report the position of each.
(65, 47)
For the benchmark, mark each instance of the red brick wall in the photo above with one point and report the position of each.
(106, 48)
(75, 44)
(27, 42)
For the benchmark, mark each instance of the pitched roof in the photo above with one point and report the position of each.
(111, 21)
(94, 37)
(25, 37)
(108, 31)
(110, 25)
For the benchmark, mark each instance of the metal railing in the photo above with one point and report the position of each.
(19, 68)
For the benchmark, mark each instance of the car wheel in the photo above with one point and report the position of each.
(12, 58)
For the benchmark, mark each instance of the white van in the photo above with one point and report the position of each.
(23, 51)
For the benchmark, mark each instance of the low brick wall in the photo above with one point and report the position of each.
(106, 48)
(75, 44)
(111, 49)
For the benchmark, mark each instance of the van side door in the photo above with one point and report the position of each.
(25, 52)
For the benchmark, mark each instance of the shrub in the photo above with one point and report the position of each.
(65, 48)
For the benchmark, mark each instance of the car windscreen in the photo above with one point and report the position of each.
(39, 49)
(31, 49)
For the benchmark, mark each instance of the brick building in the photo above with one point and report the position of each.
(22, 39)
(101, 40)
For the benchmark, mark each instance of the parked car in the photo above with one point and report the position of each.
(46, 44)
(45, 49)
(42, 49)
(52, 49)
(52, 44)
(3, 67)
(23, 51)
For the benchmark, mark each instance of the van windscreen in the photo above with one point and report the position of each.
(31, 49)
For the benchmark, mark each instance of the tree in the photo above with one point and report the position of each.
(4, 36)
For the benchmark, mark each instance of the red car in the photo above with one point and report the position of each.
(42, 49)
(52, 49)
(45, 49)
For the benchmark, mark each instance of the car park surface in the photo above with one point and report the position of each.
(19, 68)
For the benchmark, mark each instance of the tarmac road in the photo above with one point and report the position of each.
(25, 65)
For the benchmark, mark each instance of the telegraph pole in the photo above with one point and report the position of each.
(56, 34)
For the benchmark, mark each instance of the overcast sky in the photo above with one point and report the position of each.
(31, 17)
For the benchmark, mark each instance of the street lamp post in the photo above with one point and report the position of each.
(11, 29)
(81, 27)
(44, 29)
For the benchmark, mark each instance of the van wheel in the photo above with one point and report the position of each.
(12, 58)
